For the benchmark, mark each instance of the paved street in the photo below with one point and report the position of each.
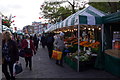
(43, 67)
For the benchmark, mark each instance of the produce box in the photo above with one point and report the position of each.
(70, 63)
(83, 65)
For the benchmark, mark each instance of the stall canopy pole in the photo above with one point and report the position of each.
(102, 37)
(78, 46)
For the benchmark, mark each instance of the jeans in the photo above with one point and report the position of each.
(5, 70)
(28, 60)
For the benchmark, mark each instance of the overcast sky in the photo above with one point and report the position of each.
(26, 11)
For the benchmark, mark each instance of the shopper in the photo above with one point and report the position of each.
(59, 45)
(43, 40)
(36, 41)
(29, 48)
(9, 55)
(50, 41)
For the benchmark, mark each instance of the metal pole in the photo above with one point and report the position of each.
(102, 29)
(78, 46)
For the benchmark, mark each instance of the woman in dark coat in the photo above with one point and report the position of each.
(9, 55)
(43, 41)
(36, 41)
(50, 46)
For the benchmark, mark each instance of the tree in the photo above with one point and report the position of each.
(7, 21)
(110, 7)
(54, 11)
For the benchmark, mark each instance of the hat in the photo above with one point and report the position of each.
(62, 34)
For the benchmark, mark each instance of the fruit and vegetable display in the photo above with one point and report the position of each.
(72, 44)
(89, 48)
(83, 56)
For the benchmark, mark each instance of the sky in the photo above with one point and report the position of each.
(26, 11)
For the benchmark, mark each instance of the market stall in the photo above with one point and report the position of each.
(112, 43)
(89, 47)
(85, 41)
(86, 20)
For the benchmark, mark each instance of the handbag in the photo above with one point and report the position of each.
(17, 68)
(22, 53)
(57, 55)
(28, 50)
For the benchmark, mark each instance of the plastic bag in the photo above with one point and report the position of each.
(54, 54)
(57, 55)
(17, 68)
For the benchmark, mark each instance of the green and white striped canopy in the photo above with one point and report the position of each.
(89, 16)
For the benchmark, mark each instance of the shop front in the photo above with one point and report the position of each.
(112, 43)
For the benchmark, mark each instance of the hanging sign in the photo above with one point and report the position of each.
(76, 20)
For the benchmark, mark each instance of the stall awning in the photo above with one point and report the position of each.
(114, 17)
(88, 15)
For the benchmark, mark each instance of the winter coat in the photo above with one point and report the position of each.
(12, 51)
(59, 44)
(25, 45)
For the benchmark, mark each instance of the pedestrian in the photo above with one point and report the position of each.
(18, 42)
(50, 46)
(59, 45)
(9, 55)
(36, 41)
(29, 48)
(43, 40)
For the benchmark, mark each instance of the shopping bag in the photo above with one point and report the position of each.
(57, 55)
(17, 68)
(54, 54)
